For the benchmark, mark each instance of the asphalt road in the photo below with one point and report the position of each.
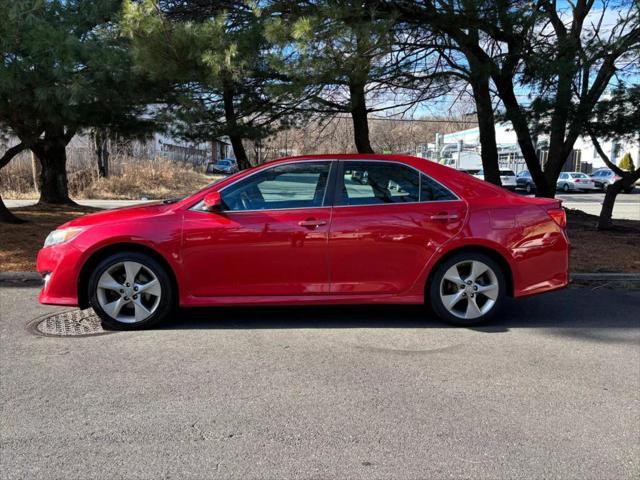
(627, 204)
(551, 390)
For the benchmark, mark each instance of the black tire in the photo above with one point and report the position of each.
(628, 190)
(528, 188)
(565, 188)
(433, 289)
(166, 305)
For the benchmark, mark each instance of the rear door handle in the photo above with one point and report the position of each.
(311, 223)
(444, 216)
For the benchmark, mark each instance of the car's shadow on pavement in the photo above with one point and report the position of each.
(570, 308)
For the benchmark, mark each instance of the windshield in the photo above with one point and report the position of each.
(224, 163)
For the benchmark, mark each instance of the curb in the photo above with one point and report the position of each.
(34, 278)
(20, 278)
(626, 277)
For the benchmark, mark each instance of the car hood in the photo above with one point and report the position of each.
(118, 215)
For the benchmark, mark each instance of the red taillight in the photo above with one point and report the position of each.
(559, 216)
(578, 181)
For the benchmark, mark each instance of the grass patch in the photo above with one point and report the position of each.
(130, 179)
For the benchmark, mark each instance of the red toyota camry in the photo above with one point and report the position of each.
(322, 229)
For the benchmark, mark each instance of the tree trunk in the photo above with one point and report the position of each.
(6, 216)
(102, 152)
(604, 221)
(486, 122)
(52, 153)
(240, 152)
(228, 93)
(359, 116)
(519, 122)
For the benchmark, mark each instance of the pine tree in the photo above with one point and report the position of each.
(64, 69)
(626, 163)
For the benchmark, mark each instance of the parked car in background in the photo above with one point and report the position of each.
(225, 166)
(507, 178)
(307, 231)
(525, 182)
(574, 182)
(604, 177)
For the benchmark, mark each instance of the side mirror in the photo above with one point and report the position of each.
(212, 202)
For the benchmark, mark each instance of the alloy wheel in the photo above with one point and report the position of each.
(129, 292)
(469, 289)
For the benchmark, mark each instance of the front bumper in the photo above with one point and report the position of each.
(60, 266)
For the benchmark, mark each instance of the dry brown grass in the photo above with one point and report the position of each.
(592, 250)
(152, 180)
(132, 179)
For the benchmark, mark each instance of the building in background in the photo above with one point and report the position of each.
(584, 157)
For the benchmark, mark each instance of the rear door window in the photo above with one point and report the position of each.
(371, 183)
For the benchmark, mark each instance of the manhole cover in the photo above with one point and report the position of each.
(72, 323)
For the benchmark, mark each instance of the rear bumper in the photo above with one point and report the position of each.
(543, 267)
(59, 265)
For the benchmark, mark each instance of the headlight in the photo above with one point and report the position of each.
(61, 236)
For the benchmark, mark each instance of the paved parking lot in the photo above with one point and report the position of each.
(627, 205)
(551, 390)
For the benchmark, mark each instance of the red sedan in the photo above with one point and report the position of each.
(322, 229)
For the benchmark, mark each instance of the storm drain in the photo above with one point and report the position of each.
(72, 323)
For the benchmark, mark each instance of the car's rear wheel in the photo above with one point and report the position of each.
(467, 288)
(130, 290)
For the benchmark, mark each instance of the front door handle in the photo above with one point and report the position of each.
(311, 223)
(444, 216)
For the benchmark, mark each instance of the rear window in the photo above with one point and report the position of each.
(507, 173)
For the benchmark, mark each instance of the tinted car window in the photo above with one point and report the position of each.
(432, 191)
(296, 185)
(367, 183)
(508, 173)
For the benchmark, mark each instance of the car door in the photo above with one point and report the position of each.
(269, 239)
(384, 229)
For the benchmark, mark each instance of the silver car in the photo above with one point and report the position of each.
(507, 178)
(575, 182)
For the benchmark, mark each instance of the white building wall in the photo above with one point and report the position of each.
(505, 135)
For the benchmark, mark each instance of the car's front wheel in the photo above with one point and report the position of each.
(130, 290)
(467, 288)
(528, 188)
